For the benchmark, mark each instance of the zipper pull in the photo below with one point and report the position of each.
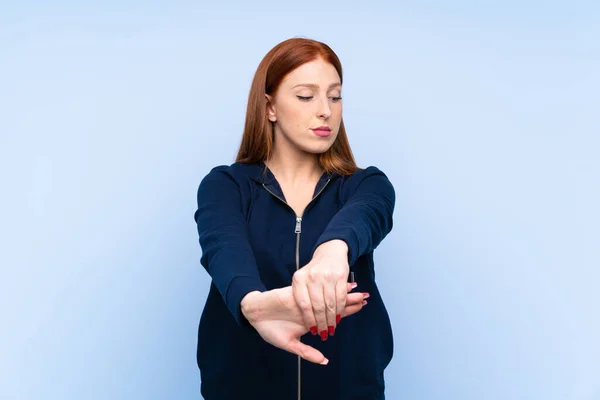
(298, 225)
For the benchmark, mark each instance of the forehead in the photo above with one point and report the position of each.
(318, 72)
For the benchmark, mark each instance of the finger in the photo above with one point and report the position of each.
(354, 298)
(354, 303)
(353, 309)
(307, 352)
(302, 297)
(350, 286)
(340, 300)
(318, 305)
(330, 297)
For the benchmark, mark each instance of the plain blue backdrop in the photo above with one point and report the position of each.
(485, 116)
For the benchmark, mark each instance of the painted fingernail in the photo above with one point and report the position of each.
(366, 295)
(313, 330)
(331, 330)
(323, 335)
(338, 318)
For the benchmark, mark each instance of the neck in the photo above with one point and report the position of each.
(291, 165)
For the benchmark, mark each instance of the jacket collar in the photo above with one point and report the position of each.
(260, 173)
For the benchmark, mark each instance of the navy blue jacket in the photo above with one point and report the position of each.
(249, 237)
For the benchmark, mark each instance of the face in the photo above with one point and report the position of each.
(308, 98)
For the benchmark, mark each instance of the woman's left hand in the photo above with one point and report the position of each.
(320, 288)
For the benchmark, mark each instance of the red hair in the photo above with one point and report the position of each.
(257, 140)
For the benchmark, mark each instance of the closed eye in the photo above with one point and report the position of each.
(306, 98)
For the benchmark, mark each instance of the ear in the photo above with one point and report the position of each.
(270, 108)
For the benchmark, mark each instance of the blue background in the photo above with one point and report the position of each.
(485, 116)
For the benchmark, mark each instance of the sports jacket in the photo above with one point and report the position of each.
(252, 240)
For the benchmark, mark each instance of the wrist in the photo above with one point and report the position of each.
(335, 246)
(248, 305)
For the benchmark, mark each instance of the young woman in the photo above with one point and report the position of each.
(287, 232)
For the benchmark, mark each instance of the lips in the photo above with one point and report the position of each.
(322, 131)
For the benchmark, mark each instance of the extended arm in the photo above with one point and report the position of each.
(223, 236)
(366, 217)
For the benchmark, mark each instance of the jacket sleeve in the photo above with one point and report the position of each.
(366, 216)
(223, 236)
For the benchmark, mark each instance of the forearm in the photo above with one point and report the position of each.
(365, 218)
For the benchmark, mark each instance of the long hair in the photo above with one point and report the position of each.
(257, 139)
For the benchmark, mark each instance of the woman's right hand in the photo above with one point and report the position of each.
(279, 321)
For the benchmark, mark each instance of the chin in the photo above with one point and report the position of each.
(318, 149)
(312, 146)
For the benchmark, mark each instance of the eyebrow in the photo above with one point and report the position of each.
(312, 85)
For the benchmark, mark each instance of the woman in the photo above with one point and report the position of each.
(282, 231)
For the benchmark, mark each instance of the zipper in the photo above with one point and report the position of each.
(298, 231)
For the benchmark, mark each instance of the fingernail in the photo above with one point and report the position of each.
(338, 318)
(364, 303)
(325, 361)
(313, 330)
(331, 330)
(323, 335)
(366, 295)
(353, 285)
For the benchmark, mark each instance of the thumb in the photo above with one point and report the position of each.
(307, 352)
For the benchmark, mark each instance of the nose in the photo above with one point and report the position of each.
(324, 108)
